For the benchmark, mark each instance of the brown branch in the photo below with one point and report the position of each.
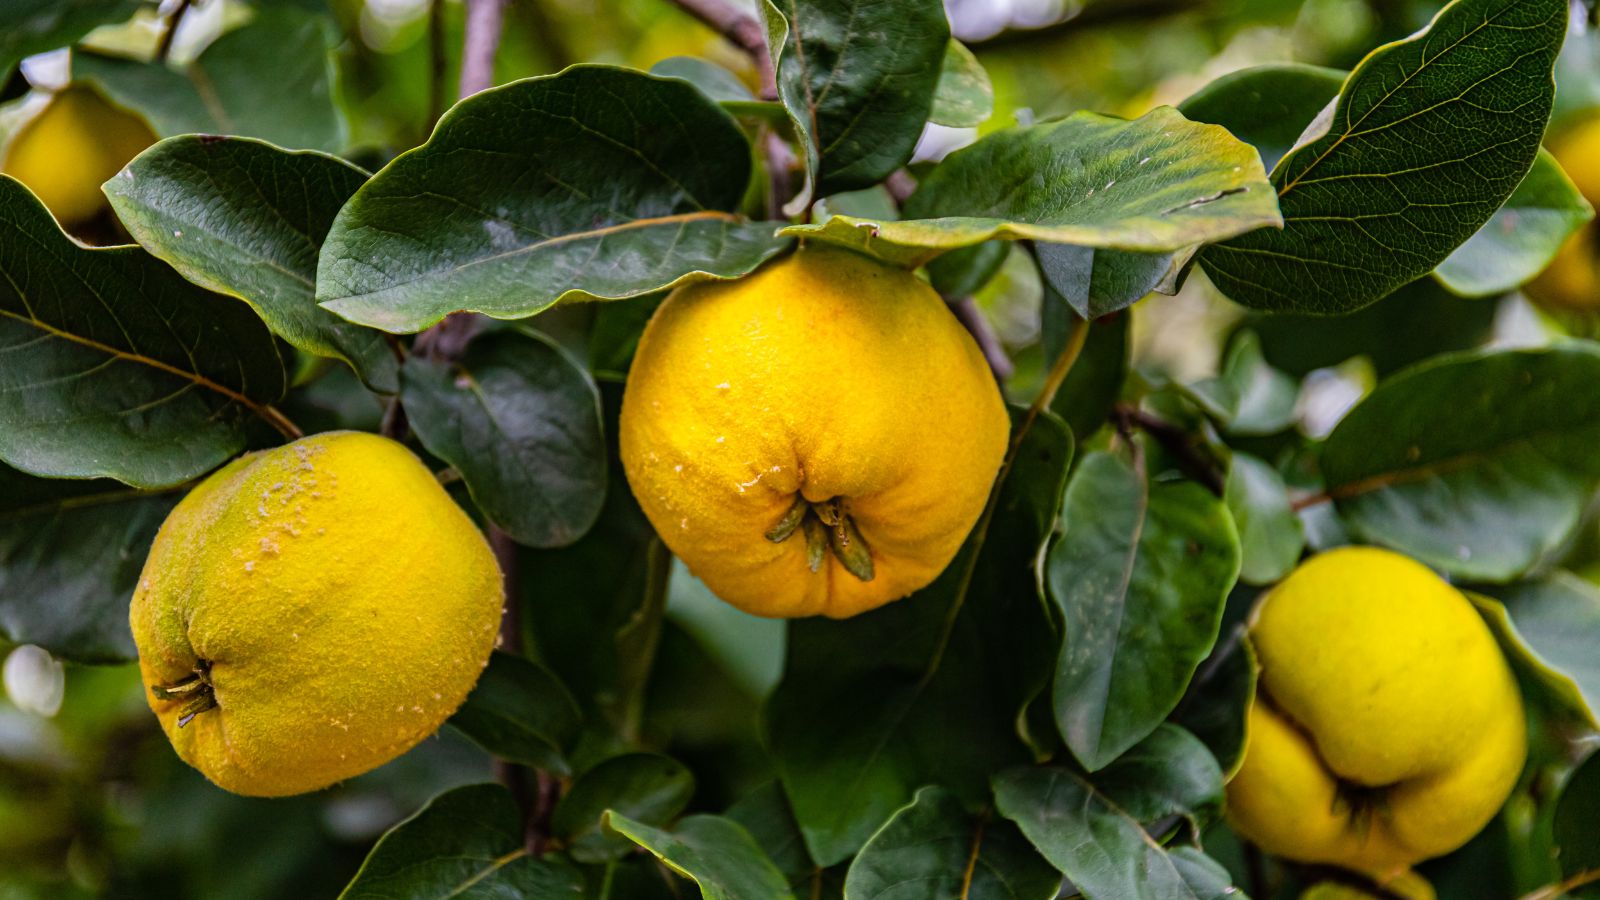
(485, 19)
(436, 62)
(743, 31)
(1551, 892)
(1196, 463)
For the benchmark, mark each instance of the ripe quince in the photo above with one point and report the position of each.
(817, 438)
(310, 612)
(1387, 727)
(71, 147)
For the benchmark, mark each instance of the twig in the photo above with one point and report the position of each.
(1551, 892)
(170, 32)
(279, 421)
(743, 31)
(970, 316)
(1179, 443)
(481, 39)
(436, 61)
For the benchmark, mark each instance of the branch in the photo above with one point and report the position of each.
(1106, 13)
(1199, 465)
(479, 42)
(743, 31)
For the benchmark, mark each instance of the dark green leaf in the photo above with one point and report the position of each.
(1477, 463)
(1140, 575)
(1428, 138)
(963, 98)
(649, 787)
(927, 689)
(1576, 814)
(1156, 184)
(466, 843)
(1095, 283)
(1267, 106)
(715, 853)
(1522, 236)
(1089, 833)
(116, 366)
(522, 713)
(34, 26)
(1415, 322)
(1086, 397)
(597, 182)
(964, 272)
(521, 422)
(858, 78)
(1271, 537)
(765, 813)
(70, 555)
(1218, 702)
(226, 90)
(241, 217)
(933, 848)
(1169, 773)
(1552, 626)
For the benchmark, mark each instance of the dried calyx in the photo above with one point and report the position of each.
(826, 526)
(194, 690)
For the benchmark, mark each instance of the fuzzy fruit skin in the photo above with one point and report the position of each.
(346, 606)
(1572, 280)
(74, 145)
(1376, 673)
(827, 374)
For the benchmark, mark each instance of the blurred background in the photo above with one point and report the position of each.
(92, 800)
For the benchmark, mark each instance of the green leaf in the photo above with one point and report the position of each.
(964, 272)
(520, 421)
(1477, 463)
(1217, 706)
(1266, 106)
(70, 555)
(715, 853)
(1155, 184)
(1428, 138)
(244, 218)
(1140, 575)
(1271, 537)
(1250, 397)
(597, 182)
(116, 366)
(225, 90)
(1522, 236)
(933, 848)
(1091, 828)
(1417, 321)
(927, 689)
(1095, 283)
(1576, 812)
(858, 78)
(963, 98)
(713, 80)
(522, 713)
(466, 843)
(651, 788)
(1090, 391)
(1551, 625)
(35, 26)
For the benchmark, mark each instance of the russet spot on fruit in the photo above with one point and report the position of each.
(310, 612)
(817, 438)
(1387, 727)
